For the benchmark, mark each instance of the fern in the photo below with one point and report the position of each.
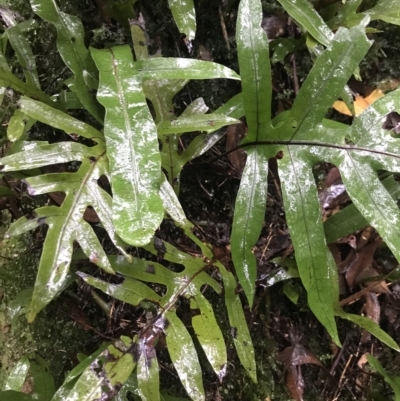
(127, 154)
(126, 151)
(304, 137)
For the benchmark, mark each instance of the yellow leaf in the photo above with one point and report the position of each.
(360, 103)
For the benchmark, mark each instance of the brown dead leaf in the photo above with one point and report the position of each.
(361, 261)
(234, 134)
(360, 103)
(371, 309)
(295, 383)
(293, 357)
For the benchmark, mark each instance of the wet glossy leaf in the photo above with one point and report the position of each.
(304, 13)
(202, 122)
(24, 54)
(39, 154)
(8, 80)
(209, 335)
(130, 291)
(182, 68)
(72, 49)
(184, 15)
(349, 219)
(83, 365)
(184, 357)
(385, 10)
(305, 221)
(239, 330)
(132, 147)
(388, 11)
(66, 225)
(104, 376)
(327, 80)
(58, 119)
(172, 205)
(248, 218)
(255, 72)
(18, 125)
(17, 376)
(148, 378)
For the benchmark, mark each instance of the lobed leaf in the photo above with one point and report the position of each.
(132, 147)
(72, 49)
(66, 225)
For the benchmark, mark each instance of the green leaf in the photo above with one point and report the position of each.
(148, 378)
(239, 330)
(130, 290)
(66, 225)
(326, 81)
(209, 335)
(255, 72)
(388, 11)
(18, 125)
(12, 395)
(304, 13)
(393, 381)
(39, 154)
(121, 11)
(19, 304)
(83, 365)
(105, 375)
(17, 376)
(248, 218)
(184, 15)
(306, 230)
(349, 219)
(132, 147)
(182, 68)
(72, 49)
(369, 325)
(5, 191)
(58, 119)
(24, 54)
(184, 357)
(43, 382)
(8, 80)
(171, 204)
(202, 122)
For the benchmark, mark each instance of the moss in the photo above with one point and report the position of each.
(53, 335)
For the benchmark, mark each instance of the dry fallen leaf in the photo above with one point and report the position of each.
(360, 103)
(234, 135)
